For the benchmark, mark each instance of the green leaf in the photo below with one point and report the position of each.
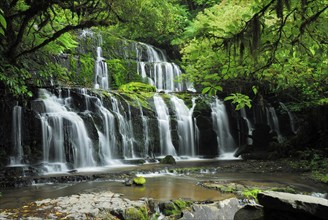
(206, 90)
(254, 90)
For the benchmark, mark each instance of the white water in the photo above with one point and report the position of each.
(101, 71)
(156, 70)
(60, 125)
(250, 126)
(17, 158)
(145, 129)
(292, 119)
(186, 127)
(163, 118)
(226, 143)
(273, 122)
(125, 128)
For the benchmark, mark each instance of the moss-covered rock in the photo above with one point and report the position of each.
(140, 180)
(136, 87)
(136, 213)
(174, 208)
(169, 159)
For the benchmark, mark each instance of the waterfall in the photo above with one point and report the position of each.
(63, 128)
(156, 70)
(186, 127)
(250, 126)
(292, 120)
(101, 70)
(226, 143)
(125, 129)
(273, 122)
(107, 138)
(163, 118)
(18, 156)
(145, 129)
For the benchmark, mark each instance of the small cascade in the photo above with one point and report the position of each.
(107, 138)
(18, 153)
(156, 70)
(145, 128)
(273, 122)
(187, 129)
(63, 130)
(292, 119)
(250, 126)
(125, 129)
(163, 118)
(226, 143)
(101, 70)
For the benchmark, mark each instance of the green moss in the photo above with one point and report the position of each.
(175, 207)
(136, 87)
(139, 180)
(136, 213)
(287, 189)
(182, 204)
(251, 193)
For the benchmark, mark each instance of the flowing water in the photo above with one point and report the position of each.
(226, 143)
(273, 122)
(187, 128)
(101, 69)
(161, 186)
(60, 126)
(164, 127)
(156, 70)
(250, 126)
(18, 153)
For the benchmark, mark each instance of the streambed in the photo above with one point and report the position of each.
(166, 182)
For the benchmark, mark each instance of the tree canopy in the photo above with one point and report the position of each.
(243, 48)
(277, 46)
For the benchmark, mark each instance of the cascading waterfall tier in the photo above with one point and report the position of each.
(273, 122)
(63, 131)
(187, 128)
(18, 153)
(155, 69)
(101, 71)
(226, 143)
(163, 117)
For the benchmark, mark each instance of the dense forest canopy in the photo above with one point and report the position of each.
(243, 48)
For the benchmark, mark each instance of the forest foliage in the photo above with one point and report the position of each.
(241, 48)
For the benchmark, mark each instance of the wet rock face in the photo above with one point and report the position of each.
(278, 205)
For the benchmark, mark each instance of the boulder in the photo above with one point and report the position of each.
(249, 212)
(225, 209)
(280, 205)
(169, 159)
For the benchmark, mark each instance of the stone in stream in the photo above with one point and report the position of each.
(225, 209)
(279, 205)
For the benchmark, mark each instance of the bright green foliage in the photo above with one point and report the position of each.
(121, 72)
(251, 193)
(277, 45)
(82, 69)
(137, 87)
(3, 23)
(151, 21)
(240, 100)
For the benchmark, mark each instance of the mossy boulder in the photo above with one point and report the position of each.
(169, 159)
(139, 181)
(174, 208)
(136, 213)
